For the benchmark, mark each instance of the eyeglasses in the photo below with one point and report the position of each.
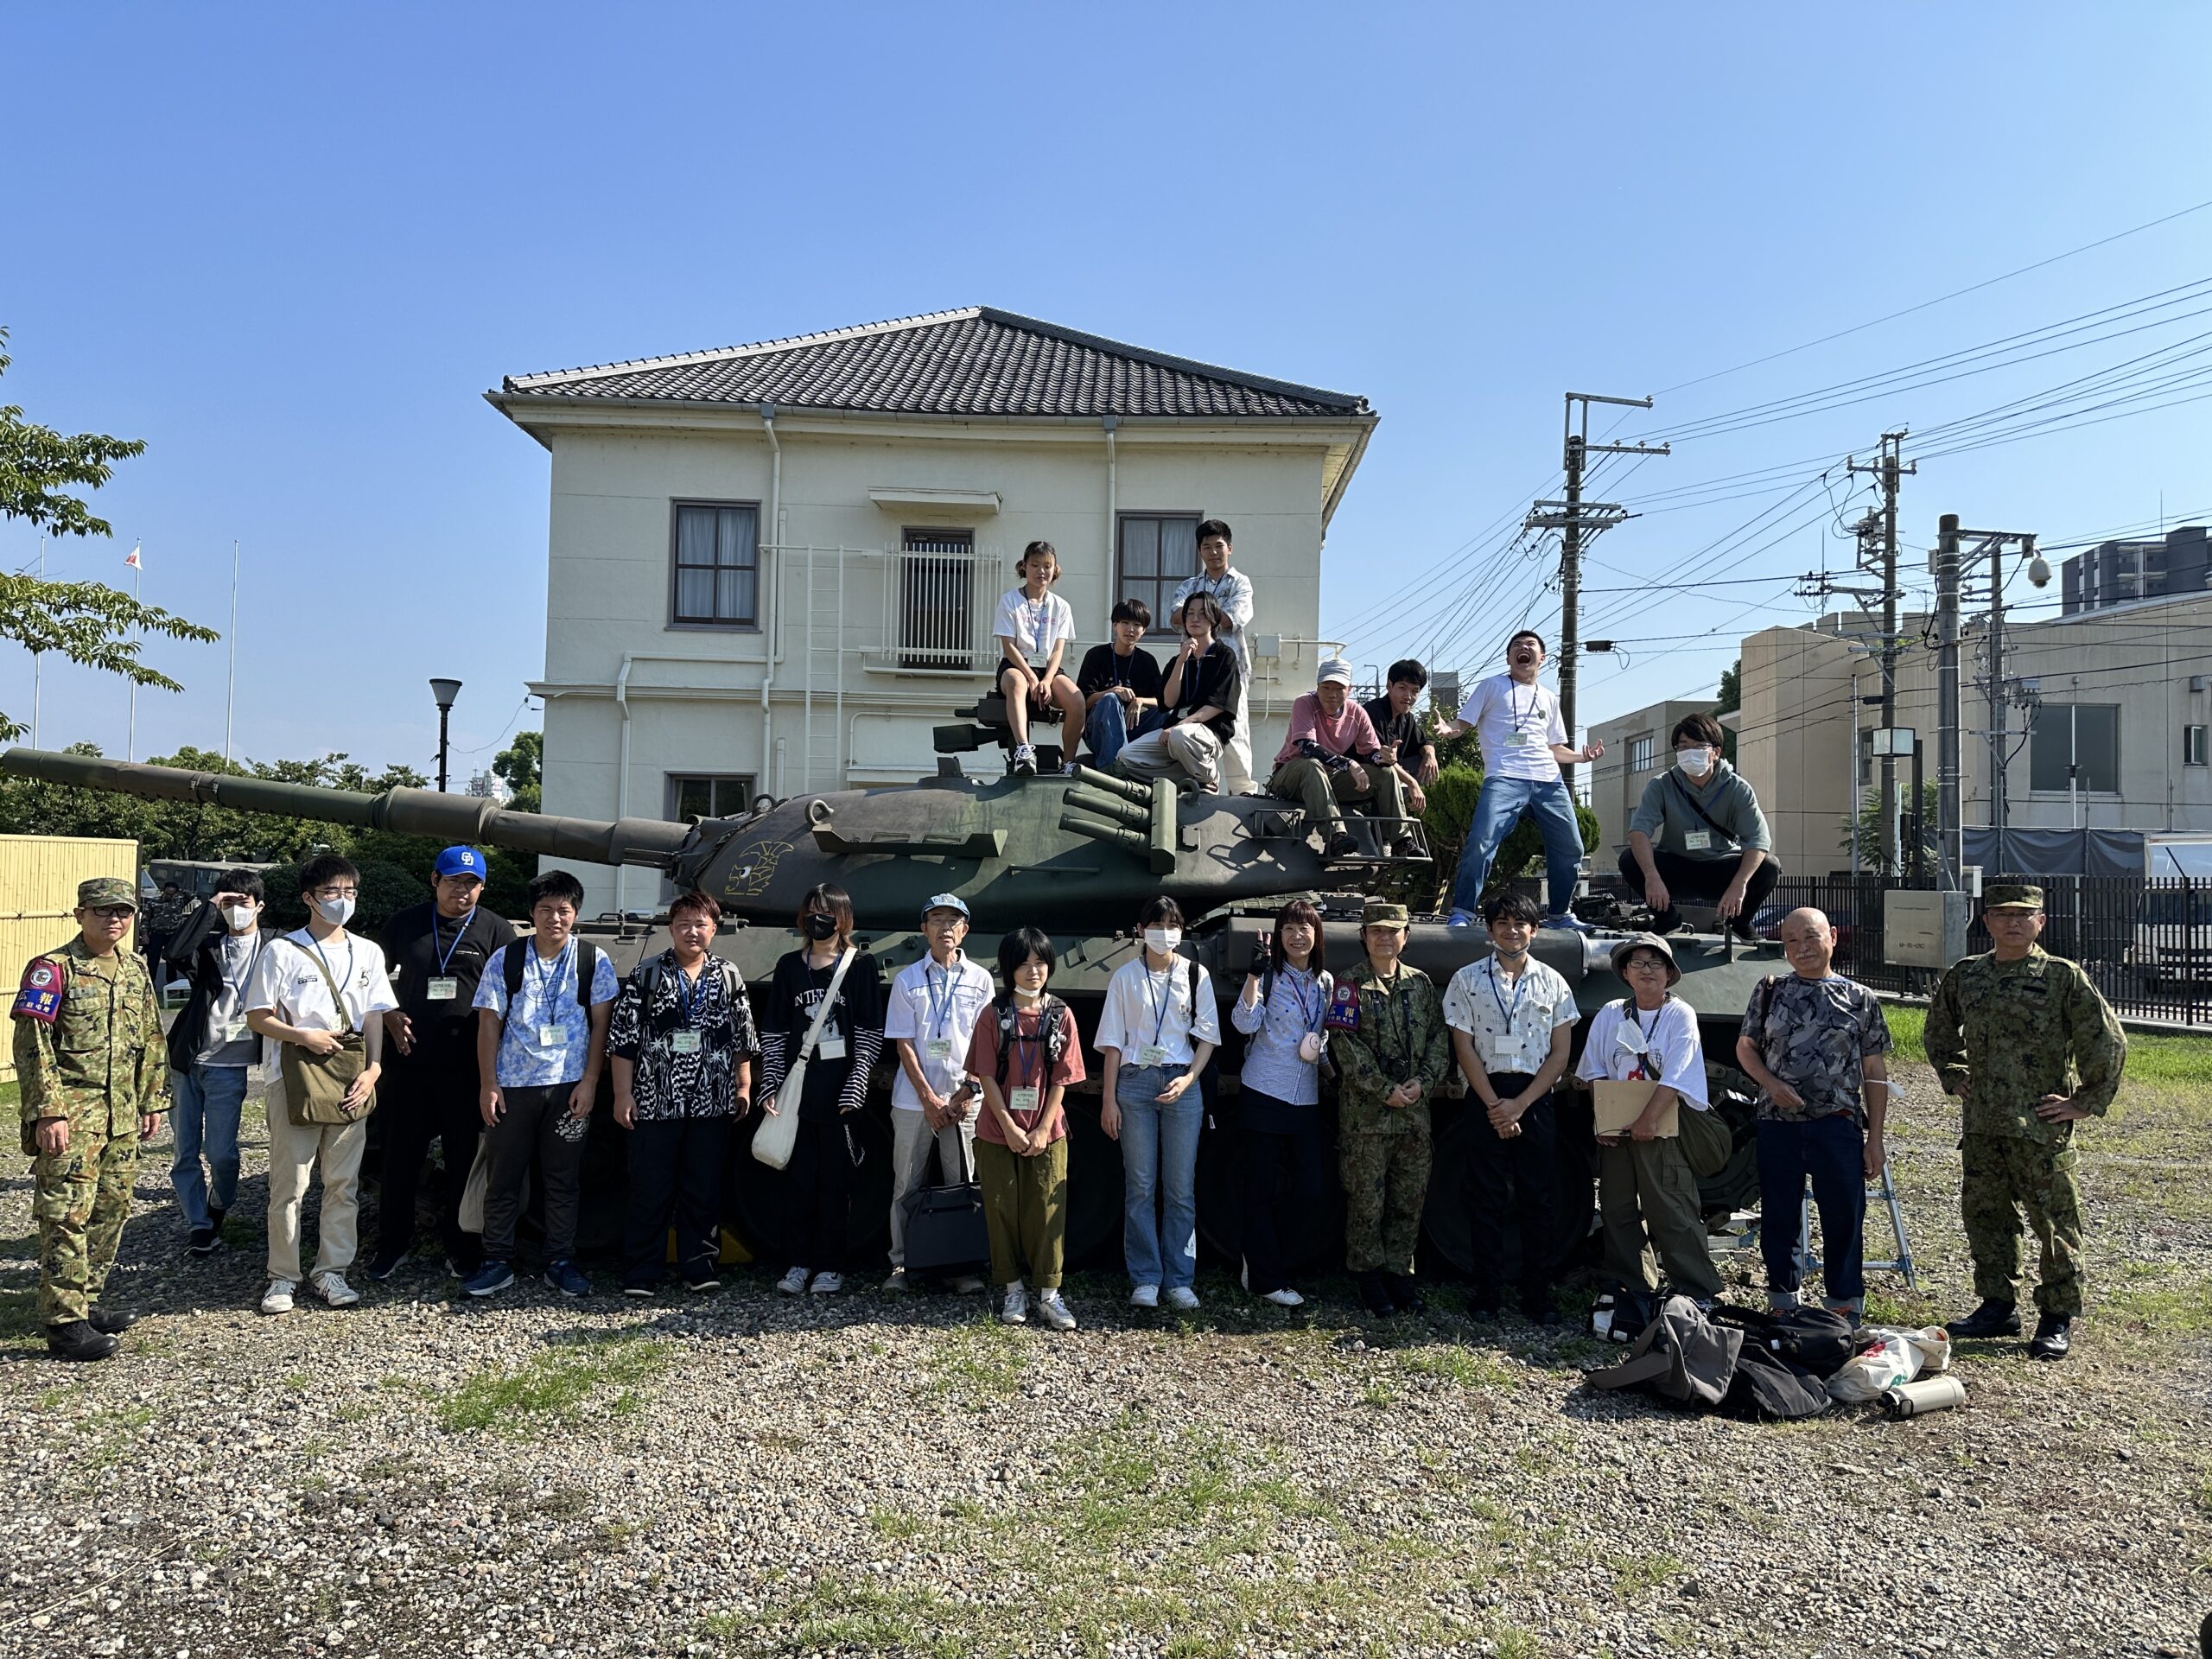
(335, 893)
(114, 912)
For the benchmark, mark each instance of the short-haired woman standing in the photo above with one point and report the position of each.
(1282, 1147)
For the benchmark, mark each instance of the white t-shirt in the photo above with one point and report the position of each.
(287, 982)
(1516, 725)
(1512, 1021)
(1035, 625)
(935, 1010)
(1167, 1011)
(1620, 1031)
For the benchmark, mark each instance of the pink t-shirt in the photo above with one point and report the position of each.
(1022, 1070)
(1350, 733)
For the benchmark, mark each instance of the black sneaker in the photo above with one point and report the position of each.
(644, 1293)
(1991, 1318)
(1405, 1294)
(1341, 845)
(2054, 1336)
(702, 1281)
(1375, 1295)
(110, 1321)
(385, 1266)
(78, 1340)
(215, 1218)
(204, 1241)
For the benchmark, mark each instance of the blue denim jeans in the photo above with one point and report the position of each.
(204, 1107)
(1832, 1151)
(1108, 730)
(1159, 1171)
(1497, 811)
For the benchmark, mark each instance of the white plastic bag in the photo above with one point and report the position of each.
(1934, 1343)
(1885, 1360)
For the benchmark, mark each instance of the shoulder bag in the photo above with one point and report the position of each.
(316, 1085)
(773, 1140)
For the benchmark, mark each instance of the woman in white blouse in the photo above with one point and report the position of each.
(1646, 1190)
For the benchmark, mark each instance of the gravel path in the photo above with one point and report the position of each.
(746, 1474)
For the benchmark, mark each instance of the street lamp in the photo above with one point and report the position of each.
(445, 691)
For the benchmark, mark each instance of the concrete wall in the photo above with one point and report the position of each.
(1617, 782)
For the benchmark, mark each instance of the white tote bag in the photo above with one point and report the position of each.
(773, 1140)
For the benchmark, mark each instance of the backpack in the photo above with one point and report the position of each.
(1681, 1357)
(1051, 1021)
(511, 967)
(1768, 1387)
(1812, 1338)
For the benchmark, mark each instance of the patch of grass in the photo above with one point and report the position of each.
(896, 1524)
(1468, 1367)
(980, 1361)
(839, 1614)
(1636, 1575)
(1378, 1396)
(553, 1387)
(1907, 1029)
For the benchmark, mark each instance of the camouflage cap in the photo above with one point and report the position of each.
(106, 890)
(1380, 913)
(2011, 895)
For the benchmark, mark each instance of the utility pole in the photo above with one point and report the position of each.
(1888, 469)
(1950, 843)
(1570, 518)
(1950, 564)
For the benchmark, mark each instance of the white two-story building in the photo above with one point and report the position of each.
(773, 568)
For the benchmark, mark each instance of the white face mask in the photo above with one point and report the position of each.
(1163, 939)
(239, 916)
(1696, 762)
(336, 912)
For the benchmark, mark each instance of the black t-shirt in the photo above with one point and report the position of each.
(1404, 730)
(795, 990)
(1213, 679)
(447, 1026)
(1138, 671)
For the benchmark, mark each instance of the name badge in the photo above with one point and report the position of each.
(1503, 1057)
(1021, 1100)
(1517, 740)
(441, 991)
(1697, 841)
(684, 1042)
(829, 1048)
(939, 1048)
(550, 1037)
(236, 1031)
(1151, 1054)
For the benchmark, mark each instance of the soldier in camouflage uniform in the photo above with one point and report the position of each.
(94, 1077)
(1390, 1045)
(2031, 1048)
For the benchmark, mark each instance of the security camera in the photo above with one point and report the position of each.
(2039, 571)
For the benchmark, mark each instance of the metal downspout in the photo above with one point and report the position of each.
(776, 610)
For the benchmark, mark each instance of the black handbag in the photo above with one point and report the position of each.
(946, 1232)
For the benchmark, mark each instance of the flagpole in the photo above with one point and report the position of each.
(137, 576)
(231, 693)
(37, 656)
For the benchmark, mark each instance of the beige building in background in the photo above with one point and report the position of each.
(1637, 749)
(774, 567)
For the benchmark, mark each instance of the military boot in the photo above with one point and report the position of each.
(1991, 1318)
(78, 1340)
(110, 1321)
(1405, 1294)
(1375, 1295)
(2054, 1336)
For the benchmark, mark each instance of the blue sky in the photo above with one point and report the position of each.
(290, 248)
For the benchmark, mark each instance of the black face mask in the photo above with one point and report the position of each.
(819, 926)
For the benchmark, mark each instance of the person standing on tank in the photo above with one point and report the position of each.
(930, 1020)
(432, 1089)
(1034, 629)
(1524, 743)
(1157, 1030)
(1231, 590)
(818, 1181)
(1283, 1145)
(542, 1010)
(681, 1046)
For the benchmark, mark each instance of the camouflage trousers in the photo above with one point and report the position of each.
(2004, 1175)
(1386, 1187)
(81, 1200)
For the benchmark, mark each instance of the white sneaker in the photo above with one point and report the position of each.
(966, 1285)
(331, 1285)
(1145, 1296)
(793, 1283)
(1285, 1298)
(826, 1284)
(1053, 1311)
(1016, 1310)
(896, 1284)
(277, 1299)
(1183, 1297)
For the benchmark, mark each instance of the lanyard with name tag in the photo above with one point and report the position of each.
(684, 1042)
(1021, 1100)
(444, 989)
(1697, 840)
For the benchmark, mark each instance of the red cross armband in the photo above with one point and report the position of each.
(40, 996)
(1343, 1010)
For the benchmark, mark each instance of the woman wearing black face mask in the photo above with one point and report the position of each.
(818, 1180)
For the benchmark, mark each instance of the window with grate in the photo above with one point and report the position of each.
(2076, 744)
(1158, 551)
(1640, 752)
(937, 599)
(716, 581)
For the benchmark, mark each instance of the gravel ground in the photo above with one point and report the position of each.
(744, 1474)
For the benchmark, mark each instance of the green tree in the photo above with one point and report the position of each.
(1866, 832)
(1731, 702)
(86, 622)
(519, 766)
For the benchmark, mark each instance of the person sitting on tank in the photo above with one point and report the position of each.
(1026, 1052)
(1034, 629)
(1405, 745)
(1200, 695)
(1698, 834)
(930, 1017)
(1157, 1030)
(1283, 1145)
(1331, 759)
(681, 1046)
(1121, 684)
(817, 1182)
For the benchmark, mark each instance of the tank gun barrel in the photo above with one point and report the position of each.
(650, 841)
(1113, 784)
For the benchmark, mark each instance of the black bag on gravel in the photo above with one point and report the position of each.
(1767, 1388)
(1811, 1337)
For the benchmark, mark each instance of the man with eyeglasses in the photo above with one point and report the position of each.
(93, 1077)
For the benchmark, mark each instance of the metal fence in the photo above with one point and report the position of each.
(2146, 943)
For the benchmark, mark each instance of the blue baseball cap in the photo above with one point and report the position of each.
(945, 901)
(461, 861)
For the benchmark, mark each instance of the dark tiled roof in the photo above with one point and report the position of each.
(976, 362)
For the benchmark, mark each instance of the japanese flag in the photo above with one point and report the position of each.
(131, 557)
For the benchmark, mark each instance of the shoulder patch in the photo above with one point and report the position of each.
(1344, 1008)
(39, 997)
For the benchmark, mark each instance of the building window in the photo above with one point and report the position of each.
(1158, 552)
(936, 600)
(717, 795)
(717, 559)
(1866, 756)
(2075, 745)
(1639, 753)
(2192, 746)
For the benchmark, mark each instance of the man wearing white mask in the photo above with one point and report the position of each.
(1232, 591)
(1698, 833)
